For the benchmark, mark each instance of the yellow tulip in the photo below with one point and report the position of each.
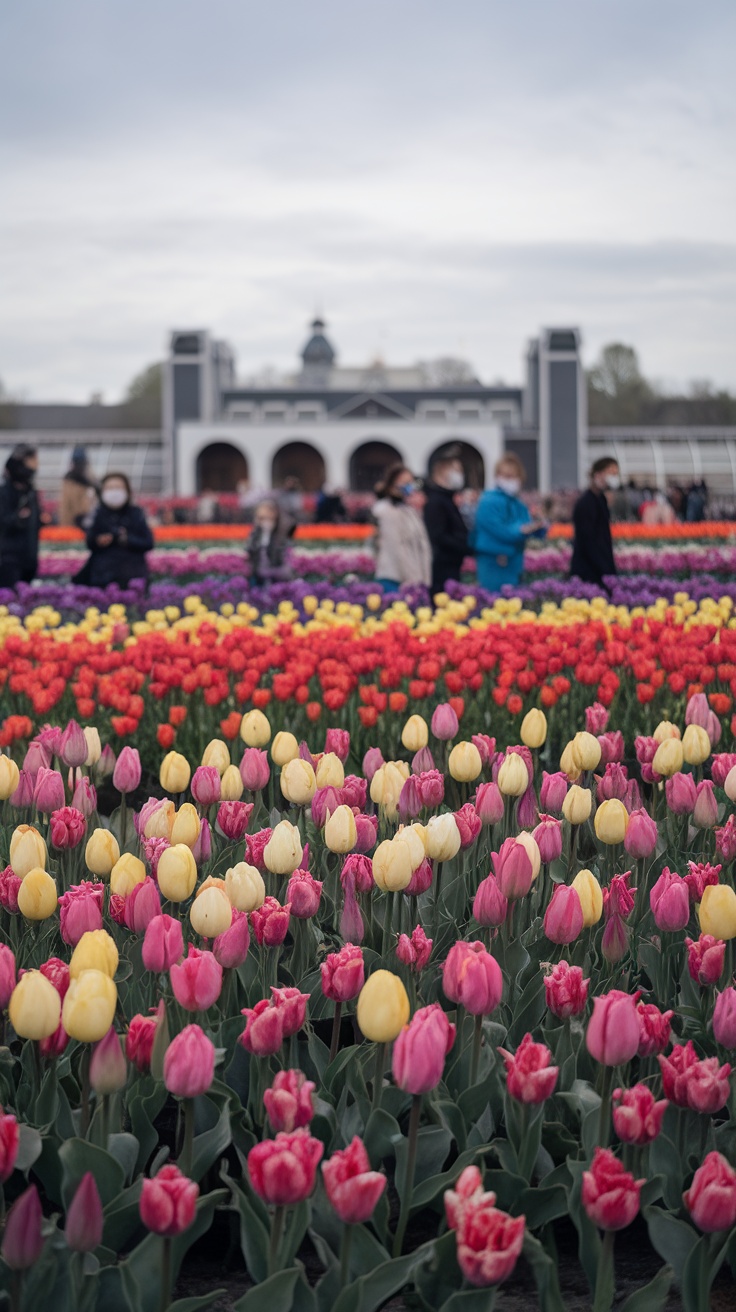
(211, 913)
(231, 784)
(94, 746)
(383, 1007)
(415, 733)
(513, 776)
(669, 758)
(392, 868)
(89, 1006)
(717, 911)
(664, 731)
(177, 873)
(27, 850)
(415, 841)
(283, 852)
(464, 763)
(9, 777)
(533, 732)
(340, 833)
(101, 852)
(126, 873)
(284, 748)
(442, 837)
(586, 751)
(577, 805)
(611, 821)
(591, 896)
(386, 786)
(298, 782)
(175, 773)
(569, 763)
(245, 887)
(187, 825)
(96, 951)
(695, 745)
(217, 754)
(330, 771)
(161, 821)
(35, 1007)
(730, 784)
(37, 896)
(532, 851)
(255, 729)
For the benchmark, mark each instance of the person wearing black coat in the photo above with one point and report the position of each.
(20, 518)
(592, 551)
(118, 537)
(448, 532)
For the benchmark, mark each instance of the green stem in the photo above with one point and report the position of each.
(277, 1230)
(378, 1074)
(84, 1121)
(605, 1108)
(477, 1043)
(166, 1273)
(605, 1284)
(16, 1291)
(335, 1043)
(187, 1146)
(347, 1239)
(411, 1161)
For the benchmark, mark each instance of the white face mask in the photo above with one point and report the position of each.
(455, 480)
(613, 482)
(114, 497)
(511, 486)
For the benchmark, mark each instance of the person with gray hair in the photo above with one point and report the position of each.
(20, 518)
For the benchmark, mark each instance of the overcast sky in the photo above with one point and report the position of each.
(437, 178)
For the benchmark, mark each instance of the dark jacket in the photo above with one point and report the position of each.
(448, 535)
(125, 558)
(592, 551)
(267, 559)
(18, 533)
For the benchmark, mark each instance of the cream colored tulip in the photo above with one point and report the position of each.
(217, 754)
(187, 825)
(442, 837)
(298, 782)
(415, 733)
(211, 913)
(532, 851)
(669, 758)
(126, 873)
(161, 821)
(9, 777)
(101, 852)
(591, 896)
(340, 833)
(392, 869)
(284, 748)
(513, 776)
(577, 805)
(245, 887)
(665, 730)
(177, 873)
(255, 729)
(695, 745)
(283, 852)
(94, 746)
(586, 751)
(464, 762)
(533, 732)
(330, 771)
(27, 850)
(231, 785)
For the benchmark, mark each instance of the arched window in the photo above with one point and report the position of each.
(220, 467)
(368, 462)
(298, 460)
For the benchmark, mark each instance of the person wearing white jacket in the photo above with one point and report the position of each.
(403, 551)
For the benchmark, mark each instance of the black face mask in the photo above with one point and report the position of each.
(20, 472)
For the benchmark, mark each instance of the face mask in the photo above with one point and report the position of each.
(407, 488)
(511, 486)
(114, 497)
(613, 482)
(455, 480)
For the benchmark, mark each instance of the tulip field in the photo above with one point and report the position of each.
(366, 952)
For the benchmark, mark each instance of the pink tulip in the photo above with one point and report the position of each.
(254, 848)
(288, 1102)
(721, 766)
(431, 785)
(354, 791)
(613, 784)
(702, 1086)
(197, 980)
(168, 1202)
(489, 803)
(337, 741)
(654, 1028)
(270, 923)
(563, 919)
(701, 875)
(22, 1243)
(705, 811)
(352, 1188)
(343, 974)
(163, 944)
(445, 723)
(641, 835)
(513, 869)
(372, 761)
(469, 825)
(264, 1028)
(548, 838)
(711, 1198)
(726, 840)
(108, 1071)
(254, 769)
(596, 719)
(612, 1036)
(410, 799)
(420, 1049)
(610, 1194)
(303, 895)
(231, 947)
(529, 1076)
(472, 977)
(23, 795)
(293, 1007)
(127, 773)
(68, 827)
(72, 745)
(84, 1220)
(553, 791)
(80, 910)
(421, 879)
(422, 761)
(705, 957)
(612, 747)
(39, 757)
(724, 1018)
(7, 975)
(48, 793)
(139, 1041)
(152, 849)
(283, 1170)
(206, 785)
(637, 1117)
(565, 990)
(189, 1063)
(486, 747)
(233, 819)
(9, 1144)
(366, 829)
(670, 902)
(414, 952)
(142, 905)
(490, 907)
(680, 794)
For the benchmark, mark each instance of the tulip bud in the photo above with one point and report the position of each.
(89, 1006)
(177, 873)
(37, 896)
(548, 838)
(27, 850)
(163, 944)
(9, 777)
(216, 755)
(35, 1007)
(445, 723)
(415, 734)
(211, 913)
(533, 732)
(612, 1036)
(552, 792)
(668, 758)
(611, 822)
(563, 919)
(695, 745)
(577, 805)
(464, 763)
(84, 1220)
(94, 746)
(383, 1007)
(231, 784)
(641, 835)
(206, 784)
(490, 907)
(570, 763)
(705, 811)
(420, 1049)
(101, 852)
(591, 897)
(340, 832)
(127, 773)
(108, 1069)
(717, 911)
(489, 803)
(128, 871)
(175, 773)
(283, 851)
(513, 776)
(245, 887)
(284, 748)
(298, 782)
(255, 729)
(254, 769)
(513, 868)
(23, 1238)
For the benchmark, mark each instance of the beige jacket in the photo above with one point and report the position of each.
(403, 551)
(75, 501)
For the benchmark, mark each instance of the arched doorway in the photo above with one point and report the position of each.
(473, 462)
(298, 460)
(368, 462)
(220, 467)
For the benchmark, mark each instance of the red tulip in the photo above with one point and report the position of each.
(612, 1036)
(343, 974)
(197, 980)
(711, 1198)
(351, 1186)
(563, 919)
(529, 1076)
(189, 1063)
(420, 1049)
(610, 1195)
(472, 977)
(566, 992)
(84, 1219)
(282, 1170)
(168, 1202)
(288, 1102)
(637, 1117)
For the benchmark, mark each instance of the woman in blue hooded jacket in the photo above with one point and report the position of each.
(503, 525)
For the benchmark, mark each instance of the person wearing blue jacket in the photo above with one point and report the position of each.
(503, 526)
